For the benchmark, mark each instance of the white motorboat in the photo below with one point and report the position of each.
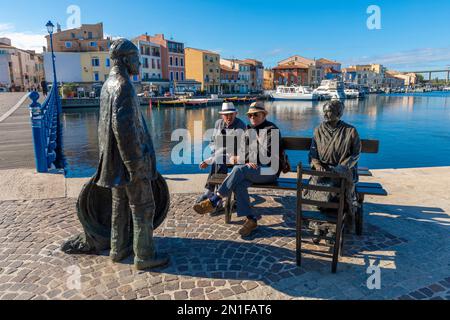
(331, 89)
(351, 93)
(446, 89)
(294, 93)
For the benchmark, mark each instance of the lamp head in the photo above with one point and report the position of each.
(50, 27)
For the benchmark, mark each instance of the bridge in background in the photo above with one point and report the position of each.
(431, 72)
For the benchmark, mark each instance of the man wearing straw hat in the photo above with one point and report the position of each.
(228, 125)
(255, 168)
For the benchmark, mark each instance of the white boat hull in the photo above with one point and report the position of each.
(297, 97)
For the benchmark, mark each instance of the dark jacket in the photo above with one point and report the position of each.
(264, 142)
(124, 141)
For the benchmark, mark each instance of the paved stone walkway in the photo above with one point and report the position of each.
(9, 100)
(16, 142)
(209, 260)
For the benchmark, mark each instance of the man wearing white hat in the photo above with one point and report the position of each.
(228, 125)
(252, 169)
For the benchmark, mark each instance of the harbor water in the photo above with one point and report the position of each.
(413, 130)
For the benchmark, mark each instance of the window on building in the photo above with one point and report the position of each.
(177, 76)
(171, 61)
(145, 64)
(95, 62)
(182, 76)
(96, 76)
(93, 44)
(68, 44)
(135, 78)
(90, 35)
(158, 64)
(176, 61)
(171, 75)
(153, 63)
(182, 62)
(108, 62)
(73, 35)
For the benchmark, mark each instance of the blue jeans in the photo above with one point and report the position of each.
(240, 179)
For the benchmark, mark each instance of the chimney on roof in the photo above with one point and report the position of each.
(58, 27)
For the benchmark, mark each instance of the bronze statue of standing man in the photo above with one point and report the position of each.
(127, 161)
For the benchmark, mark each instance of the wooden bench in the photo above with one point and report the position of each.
(304, 144)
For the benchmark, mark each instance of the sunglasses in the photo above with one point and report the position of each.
(254, 115)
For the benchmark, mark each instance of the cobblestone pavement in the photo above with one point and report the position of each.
(209, 260)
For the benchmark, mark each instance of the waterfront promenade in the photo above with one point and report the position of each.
(16, 142)
(406, 235)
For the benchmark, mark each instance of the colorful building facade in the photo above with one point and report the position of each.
(291, 73)
(173, 58)
(88, 37)
(229, 80)
(244, 73)
(204, 67)
(20, 70)
(256, 75)
(268, 79)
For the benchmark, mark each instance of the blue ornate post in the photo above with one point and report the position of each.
(38, 126)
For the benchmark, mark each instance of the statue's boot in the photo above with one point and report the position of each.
(121, 247)
(145, 256)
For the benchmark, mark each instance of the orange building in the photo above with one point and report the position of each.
(87, 38)
(291, 73)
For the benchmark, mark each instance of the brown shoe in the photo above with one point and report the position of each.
(204, 207)
(248, 228)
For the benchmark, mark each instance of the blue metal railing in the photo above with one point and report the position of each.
(46, 127)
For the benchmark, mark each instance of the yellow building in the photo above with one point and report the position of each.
(268, 79)
(95, 66)
(204, 67)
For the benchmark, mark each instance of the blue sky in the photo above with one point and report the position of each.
(414, 33)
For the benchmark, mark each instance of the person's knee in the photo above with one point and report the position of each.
(239, 168)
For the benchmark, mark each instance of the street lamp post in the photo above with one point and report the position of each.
(59, 162)
(50, 28)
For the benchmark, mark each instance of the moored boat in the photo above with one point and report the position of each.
(331, 89)
(294, 93)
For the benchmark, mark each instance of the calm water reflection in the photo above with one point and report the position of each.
(414, 130)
